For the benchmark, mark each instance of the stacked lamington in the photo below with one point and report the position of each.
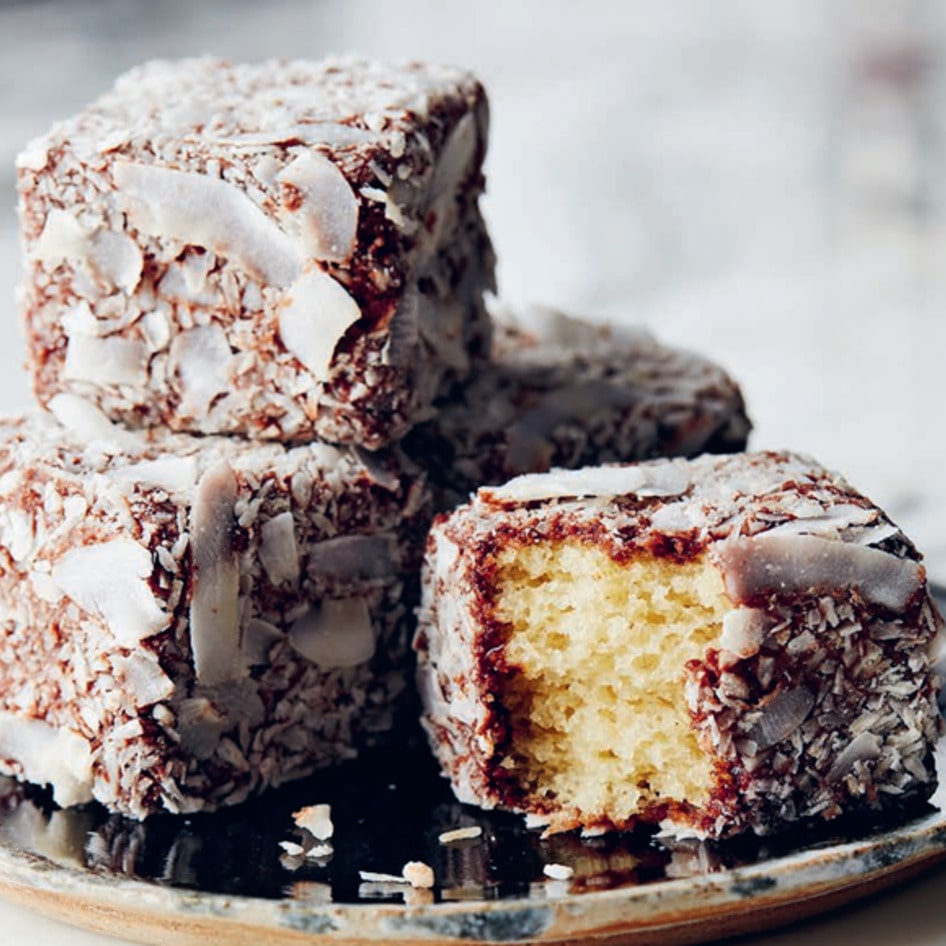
(245, 285)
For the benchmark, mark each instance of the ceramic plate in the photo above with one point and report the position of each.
(225, 878)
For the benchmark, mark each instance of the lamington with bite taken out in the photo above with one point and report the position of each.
(716, 645)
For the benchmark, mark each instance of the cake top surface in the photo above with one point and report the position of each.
(538, 347)
(77, 441)
(339, 103)
(701, 501)
(786, 482)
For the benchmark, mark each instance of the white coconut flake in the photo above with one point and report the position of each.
(145, 681)
(313, 317)
(320, 850)
(278, 552)
(558, 871)
(352, 557)
(744, 629)
(215, 611)
(864, 747)
(316, 819)
(292, 849)
(336, 634)
(404, 328)
(375, 877)
(310, 133)
(49, 756)
(816, 520)
(668, 479)
(115, 259)
(62, 238)
(110, 360)
(781, 716)
(460, 834)
(328, 214)
(78, 320)
(200, 725)
(455, 159)
(209, 212)
(18, 532)
(34, 157)
(418, 874)
(767, 564)
(90, 424)
(202, 359)
(258, 639)
(110, 579)
(174, 474)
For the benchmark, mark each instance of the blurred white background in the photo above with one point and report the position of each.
(764, 180)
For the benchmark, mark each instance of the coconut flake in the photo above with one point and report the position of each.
(115, 259)
(200, 725)
(336, 634)
(258, 639)
(203, 361)
(110, 579)
(173, 474)
(864, 747)
(667, 479)
(815, 519)
(460, 834)
(49, 756)
(379, 470)
(89, 423)
(215, 609)
(376, 877)
(62, 238)
(352, 557)
(404, 329)
(455, 159)
(319, 850)
(146, 682)
(278, 552)
(34, 157)
(110, 360)
(333, 134)
(418, 874)
(314, 315)
(209, 212)
(744, 629)
(785, 564)
(316, 819)
(328, 214)
(781, 716)
(558, 871)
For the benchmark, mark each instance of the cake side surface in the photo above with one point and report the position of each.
(197, 618)
(286, 250)
(717, 645)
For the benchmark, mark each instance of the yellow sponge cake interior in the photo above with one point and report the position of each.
(594, 689)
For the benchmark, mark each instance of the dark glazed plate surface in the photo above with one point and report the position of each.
(224, 877)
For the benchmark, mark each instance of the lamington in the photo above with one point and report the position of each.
(565, 392)
(187, 620)
(716, 645)
(285, 250)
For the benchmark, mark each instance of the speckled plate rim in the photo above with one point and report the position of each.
(696, 909)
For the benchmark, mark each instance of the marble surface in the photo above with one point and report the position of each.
(765, 182)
